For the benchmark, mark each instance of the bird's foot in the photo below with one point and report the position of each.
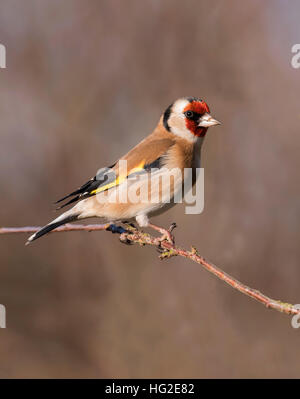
(119, 230)
(166, 234)
(130, 226)
(116, 229)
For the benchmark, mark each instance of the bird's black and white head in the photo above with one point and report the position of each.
(189, 118)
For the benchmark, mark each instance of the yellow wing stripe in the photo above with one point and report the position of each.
(119, 179)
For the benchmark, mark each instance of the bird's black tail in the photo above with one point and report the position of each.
(62, 219)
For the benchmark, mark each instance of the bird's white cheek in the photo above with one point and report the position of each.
(185, 134)
(178, 127)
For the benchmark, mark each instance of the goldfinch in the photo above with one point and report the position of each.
(174, 145)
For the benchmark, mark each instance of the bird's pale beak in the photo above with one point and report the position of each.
(207, 120)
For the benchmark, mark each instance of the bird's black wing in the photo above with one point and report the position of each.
(104, 177)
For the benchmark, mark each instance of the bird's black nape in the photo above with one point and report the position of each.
(166, 116)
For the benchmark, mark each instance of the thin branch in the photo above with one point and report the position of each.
(168, 249)
(66, 227)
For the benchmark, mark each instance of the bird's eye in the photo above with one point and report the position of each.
(189, 114)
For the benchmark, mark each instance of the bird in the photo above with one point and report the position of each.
(174, 144)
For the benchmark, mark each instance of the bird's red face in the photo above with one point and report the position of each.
(188, 117)
(193, 112)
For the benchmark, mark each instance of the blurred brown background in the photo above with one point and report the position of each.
(85, 81)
